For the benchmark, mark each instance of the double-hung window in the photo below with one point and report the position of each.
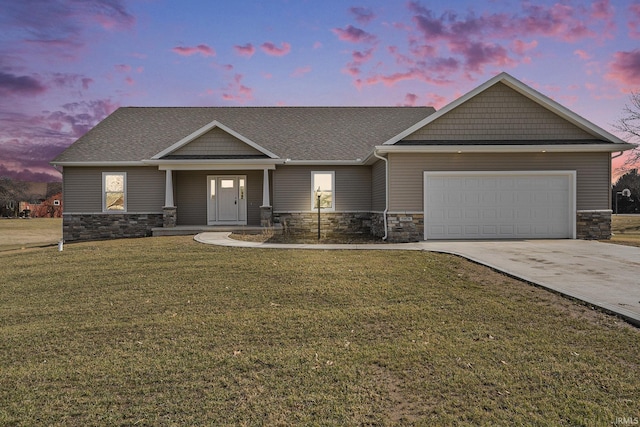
(114, 192)
(323, 190)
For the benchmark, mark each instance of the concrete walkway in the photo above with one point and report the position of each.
(601, 274)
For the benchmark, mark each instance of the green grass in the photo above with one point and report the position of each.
(166, 331)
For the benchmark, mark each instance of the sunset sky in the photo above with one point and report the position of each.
(67, 64)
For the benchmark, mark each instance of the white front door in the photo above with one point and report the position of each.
(227, 203)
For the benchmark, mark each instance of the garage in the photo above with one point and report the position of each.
(499, 205)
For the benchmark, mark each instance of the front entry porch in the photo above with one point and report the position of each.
(229, 198)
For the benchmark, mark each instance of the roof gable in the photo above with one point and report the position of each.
(214, 140)
(504, 109)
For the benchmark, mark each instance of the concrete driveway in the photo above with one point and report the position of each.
(602, 274)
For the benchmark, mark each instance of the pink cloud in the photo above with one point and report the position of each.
(86, 82)
(123, 68)
(202, 49)
(634, 21)
(237, 92)
(437, 101)
(317, 45)
(410, 99)
(363, 15)
(625, 68)
(11, 84)
(129, 81)
(59, 27)
(273, 50)
(354, 35)
(582, 54)
(353, 71)
(521, 47)
(30, 142)
(361, 57)
(301, 71)
(601, 10)
(245, 50)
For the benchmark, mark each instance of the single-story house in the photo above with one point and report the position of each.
(501, 162)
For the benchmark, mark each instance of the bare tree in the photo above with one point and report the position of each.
(629, 125)
(11, 193)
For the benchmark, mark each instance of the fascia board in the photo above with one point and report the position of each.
(224, 164)
(187, 139)
(99, 164)
(323, 162)
(551, 148)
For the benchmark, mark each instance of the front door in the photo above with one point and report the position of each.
(227, 202)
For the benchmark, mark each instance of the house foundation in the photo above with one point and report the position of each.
(77, 227)
(301, 223)
(404, 228)
(593, 225)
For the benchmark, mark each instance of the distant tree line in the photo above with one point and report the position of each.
(13, 192)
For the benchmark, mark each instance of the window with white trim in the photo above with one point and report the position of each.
(114, 192)
(323, 189)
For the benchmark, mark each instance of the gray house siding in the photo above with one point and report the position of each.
(82, 190)
(191, 195)
(500, 113)
(292, 188)
(406, 173)
(378, 186)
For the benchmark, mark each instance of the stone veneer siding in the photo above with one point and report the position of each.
(331, 223)
(77, 227)
(404, 228)
(593, 225)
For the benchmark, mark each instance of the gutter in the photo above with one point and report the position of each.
(617, 155)
(386, 192)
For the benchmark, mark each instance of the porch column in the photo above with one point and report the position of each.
(265, 209)
(265, 189)
(169, 211)
(168, 189)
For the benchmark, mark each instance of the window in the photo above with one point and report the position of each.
(114, 194)
(322, 185)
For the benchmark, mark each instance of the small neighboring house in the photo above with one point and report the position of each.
(48, 208)
(501, 162)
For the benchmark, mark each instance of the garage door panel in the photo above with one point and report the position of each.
(499, 205)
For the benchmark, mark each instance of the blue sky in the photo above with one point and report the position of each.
(67, 64)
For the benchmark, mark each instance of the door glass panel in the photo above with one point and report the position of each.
(213, 189)
(226, 183)
(241, 189)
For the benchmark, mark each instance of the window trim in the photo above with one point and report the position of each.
(333, 190)
(104, 192)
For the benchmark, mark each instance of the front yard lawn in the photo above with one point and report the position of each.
(625, 229)
(166, 331)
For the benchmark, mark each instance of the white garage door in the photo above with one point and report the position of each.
(499, 205)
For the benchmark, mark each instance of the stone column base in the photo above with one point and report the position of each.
(593, 225)
(169, 216)
(266, 218)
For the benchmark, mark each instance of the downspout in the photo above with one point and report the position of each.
(386, 191)
(617, 155)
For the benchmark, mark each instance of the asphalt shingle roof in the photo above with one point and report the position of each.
(297, 133)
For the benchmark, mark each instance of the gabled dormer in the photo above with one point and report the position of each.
(214, 141)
